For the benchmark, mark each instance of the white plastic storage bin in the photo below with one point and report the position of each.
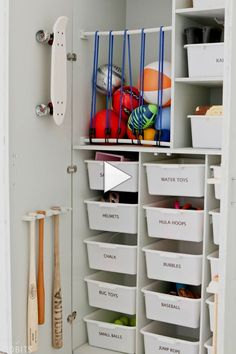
(115, 292)
(160, 306)
(102, 333)
(209, 4)
(216, 180)
(209, 347)
(214, 263)
(115, 217)
(215, 214)
(96, 175)
(217, 186)
(113, 253)
(217, 171)
(205, 60)
(163, 221)
(159, 338)
(210, 303)
(176, 177)
(174, 261)
(206, 131)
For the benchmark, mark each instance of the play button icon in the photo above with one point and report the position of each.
(113, 176)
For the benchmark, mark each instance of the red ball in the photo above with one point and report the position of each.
(130, 134)
(100, 124)
(126, 101)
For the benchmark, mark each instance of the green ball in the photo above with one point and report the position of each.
(119, 323)
(132, 321)
(125, 320)
(143, 117)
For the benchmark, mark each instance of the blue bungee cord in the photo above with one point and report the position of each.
(130, 77)
(122, 82)
(141, 74)
(160, 85)
(109, 85)
(92, 132)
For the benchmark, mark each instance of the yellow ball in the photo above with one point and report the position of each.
(149, 134)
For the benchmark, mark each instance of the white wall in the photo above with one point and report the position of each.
(5, 289)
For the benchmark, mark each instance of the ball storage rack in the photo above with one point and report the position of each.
(126, 34)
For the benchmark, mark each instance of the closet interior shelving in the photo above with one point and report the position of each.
(187, 93)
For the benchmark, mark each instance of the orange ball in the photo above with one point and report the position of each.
(149, 134)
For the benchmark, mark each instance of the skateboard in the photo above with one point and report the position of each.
(58, 90)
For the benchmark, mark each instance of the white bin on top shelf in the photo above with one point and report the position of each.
(161, 306)
(111, 291)
(96, 175)
(209, 4)
(161, 337)
(102, 333)
(206, 131)
(114, 217)
(164, 221)
(205, 60)
(176, 177)
(215, 214)
(174, 261)
(214, 263)
(208, 345)
(210, 303)
(113, 252)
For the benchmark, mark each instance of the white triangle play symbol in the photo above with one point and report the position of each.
(113, 177)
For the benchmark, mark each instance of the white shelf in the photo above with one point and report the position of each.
(202, 13)
(87, 349)
(201, 81)
(128, 148)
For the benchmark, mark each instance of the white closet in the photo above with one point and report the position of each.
(41, 152)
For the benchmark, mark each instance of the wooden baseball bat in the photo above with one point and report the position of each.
(32, 295)
(41, 287)
(57, 314)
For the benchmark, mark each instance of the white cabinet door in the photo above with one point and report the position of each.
(40, 152)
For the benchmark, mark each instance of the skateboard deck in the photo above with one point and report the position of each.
(59, 70)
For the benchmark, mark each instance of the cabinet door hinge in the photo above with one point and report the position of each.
(72, 169)
(71, 317)
(71, 56)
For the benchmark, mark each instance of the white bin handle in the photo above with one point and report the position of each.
(172, 211)
(107, 326)
(108, 205)
(109, 247)
(168, 340)
(171, 255)
(107, 286)
(213, 181)
(173, 299)
(172, 166)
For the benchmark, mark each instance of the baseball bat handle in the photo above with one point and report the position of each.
(41, 287)
(32, 296)
(57, 308)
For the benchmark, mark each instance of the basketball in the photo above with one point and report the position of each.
(102, 78)
(143, 117)
(100, 124)
(130, 99)
(165, 122)
(164, 125)
(150, 87)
